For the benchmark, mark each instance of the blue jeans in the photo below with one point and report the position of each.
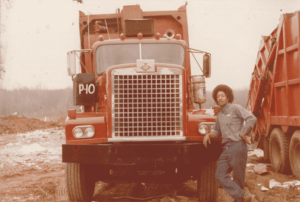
(233, 158)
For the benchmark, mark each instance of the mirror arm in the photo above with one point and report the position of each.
(197, 51)
(197, 61)
(81, 62)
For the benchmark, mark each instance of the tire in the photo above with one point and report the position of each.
(266, 150)
(79, 182)
(279, 151)
(295, 153)
(207, 185)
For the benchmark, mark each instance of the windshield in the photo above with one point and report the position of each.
(109, 55)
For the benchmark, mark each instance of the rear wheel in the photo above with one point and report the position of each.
(79, 182)
(207, 184)
(295, 153)
(279, 151)
(266, 150)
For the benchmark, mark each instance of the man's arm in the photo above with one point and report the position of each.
(207, 137)
(213, 134)
(249, 119)
(245, 137)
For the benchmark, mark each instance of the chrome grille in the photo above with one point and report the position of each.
(146, 105)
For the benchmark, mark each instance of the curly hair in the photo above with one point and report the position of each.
(226, 89)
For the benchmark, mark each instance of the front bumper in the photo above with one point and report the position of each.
(141, 153)
(160, 162)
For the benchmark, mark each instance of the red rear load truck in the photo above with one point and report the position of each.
(136, 94)
(274, 96)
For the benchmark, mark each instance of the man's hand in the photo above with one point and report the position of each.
(206, 139)
(246, 138)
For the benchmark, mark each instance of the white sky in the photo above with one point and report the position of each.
(37, 34)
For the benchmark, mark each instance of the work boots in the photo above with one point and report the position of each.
(248, 197)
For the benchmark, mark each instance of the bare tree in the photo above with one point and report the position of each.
(4, 4)
(2, 69)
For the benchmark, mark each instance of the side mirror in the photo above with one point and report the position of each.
(71, 63)
(207, 65)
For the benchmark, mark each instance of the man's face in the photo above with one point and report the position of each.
(222, 98)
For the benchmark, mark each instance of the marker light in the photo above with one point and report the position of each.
(101, 38)
(140, 35)
(122, 36)
(178, 36)
(157, 36)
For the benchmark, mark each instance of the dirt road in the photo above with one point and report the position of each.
(31, 170)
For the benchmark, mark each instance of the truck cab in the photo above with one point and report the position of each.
(137, 121)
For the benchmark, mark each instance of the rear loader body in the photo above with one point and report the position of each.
(274, 96)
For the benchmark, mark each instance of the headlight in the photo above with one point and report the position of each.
(211, 127)
(89, 132)
(205, 127)
(77, 132)
(83, 131)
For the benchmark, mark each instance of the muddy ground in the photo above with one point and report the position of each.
(31, 170)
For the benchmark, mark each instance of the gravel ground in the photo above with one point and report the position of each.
(31, 170)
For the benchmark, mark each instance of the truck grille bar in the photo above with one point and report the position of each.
(146, 105)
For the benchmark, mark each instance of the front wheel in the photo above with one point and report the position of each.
(295, 153)
(79, 182)
(207, 184)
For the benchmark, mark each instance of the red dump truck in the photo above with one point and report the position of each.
(138, 122)
(274, 96)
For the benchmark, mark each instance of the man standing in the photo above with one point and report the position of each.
(235, 124)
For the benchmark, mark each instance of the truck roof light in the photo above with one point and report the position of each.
(169, 34)
(178, 36)
(157, 35)
(101, 38)
(122, 36)
(140, 35)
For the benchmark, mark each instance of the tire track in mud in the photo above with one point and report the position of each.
(129, 192)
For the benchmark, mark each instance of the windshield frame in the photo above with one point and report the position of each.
(136, 41)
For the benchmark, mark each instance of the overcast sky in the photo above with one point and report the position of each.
(37, 34)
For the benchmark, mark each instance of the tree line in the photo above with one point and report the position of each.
(240, 97)
(41, 103)
(37, 103)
